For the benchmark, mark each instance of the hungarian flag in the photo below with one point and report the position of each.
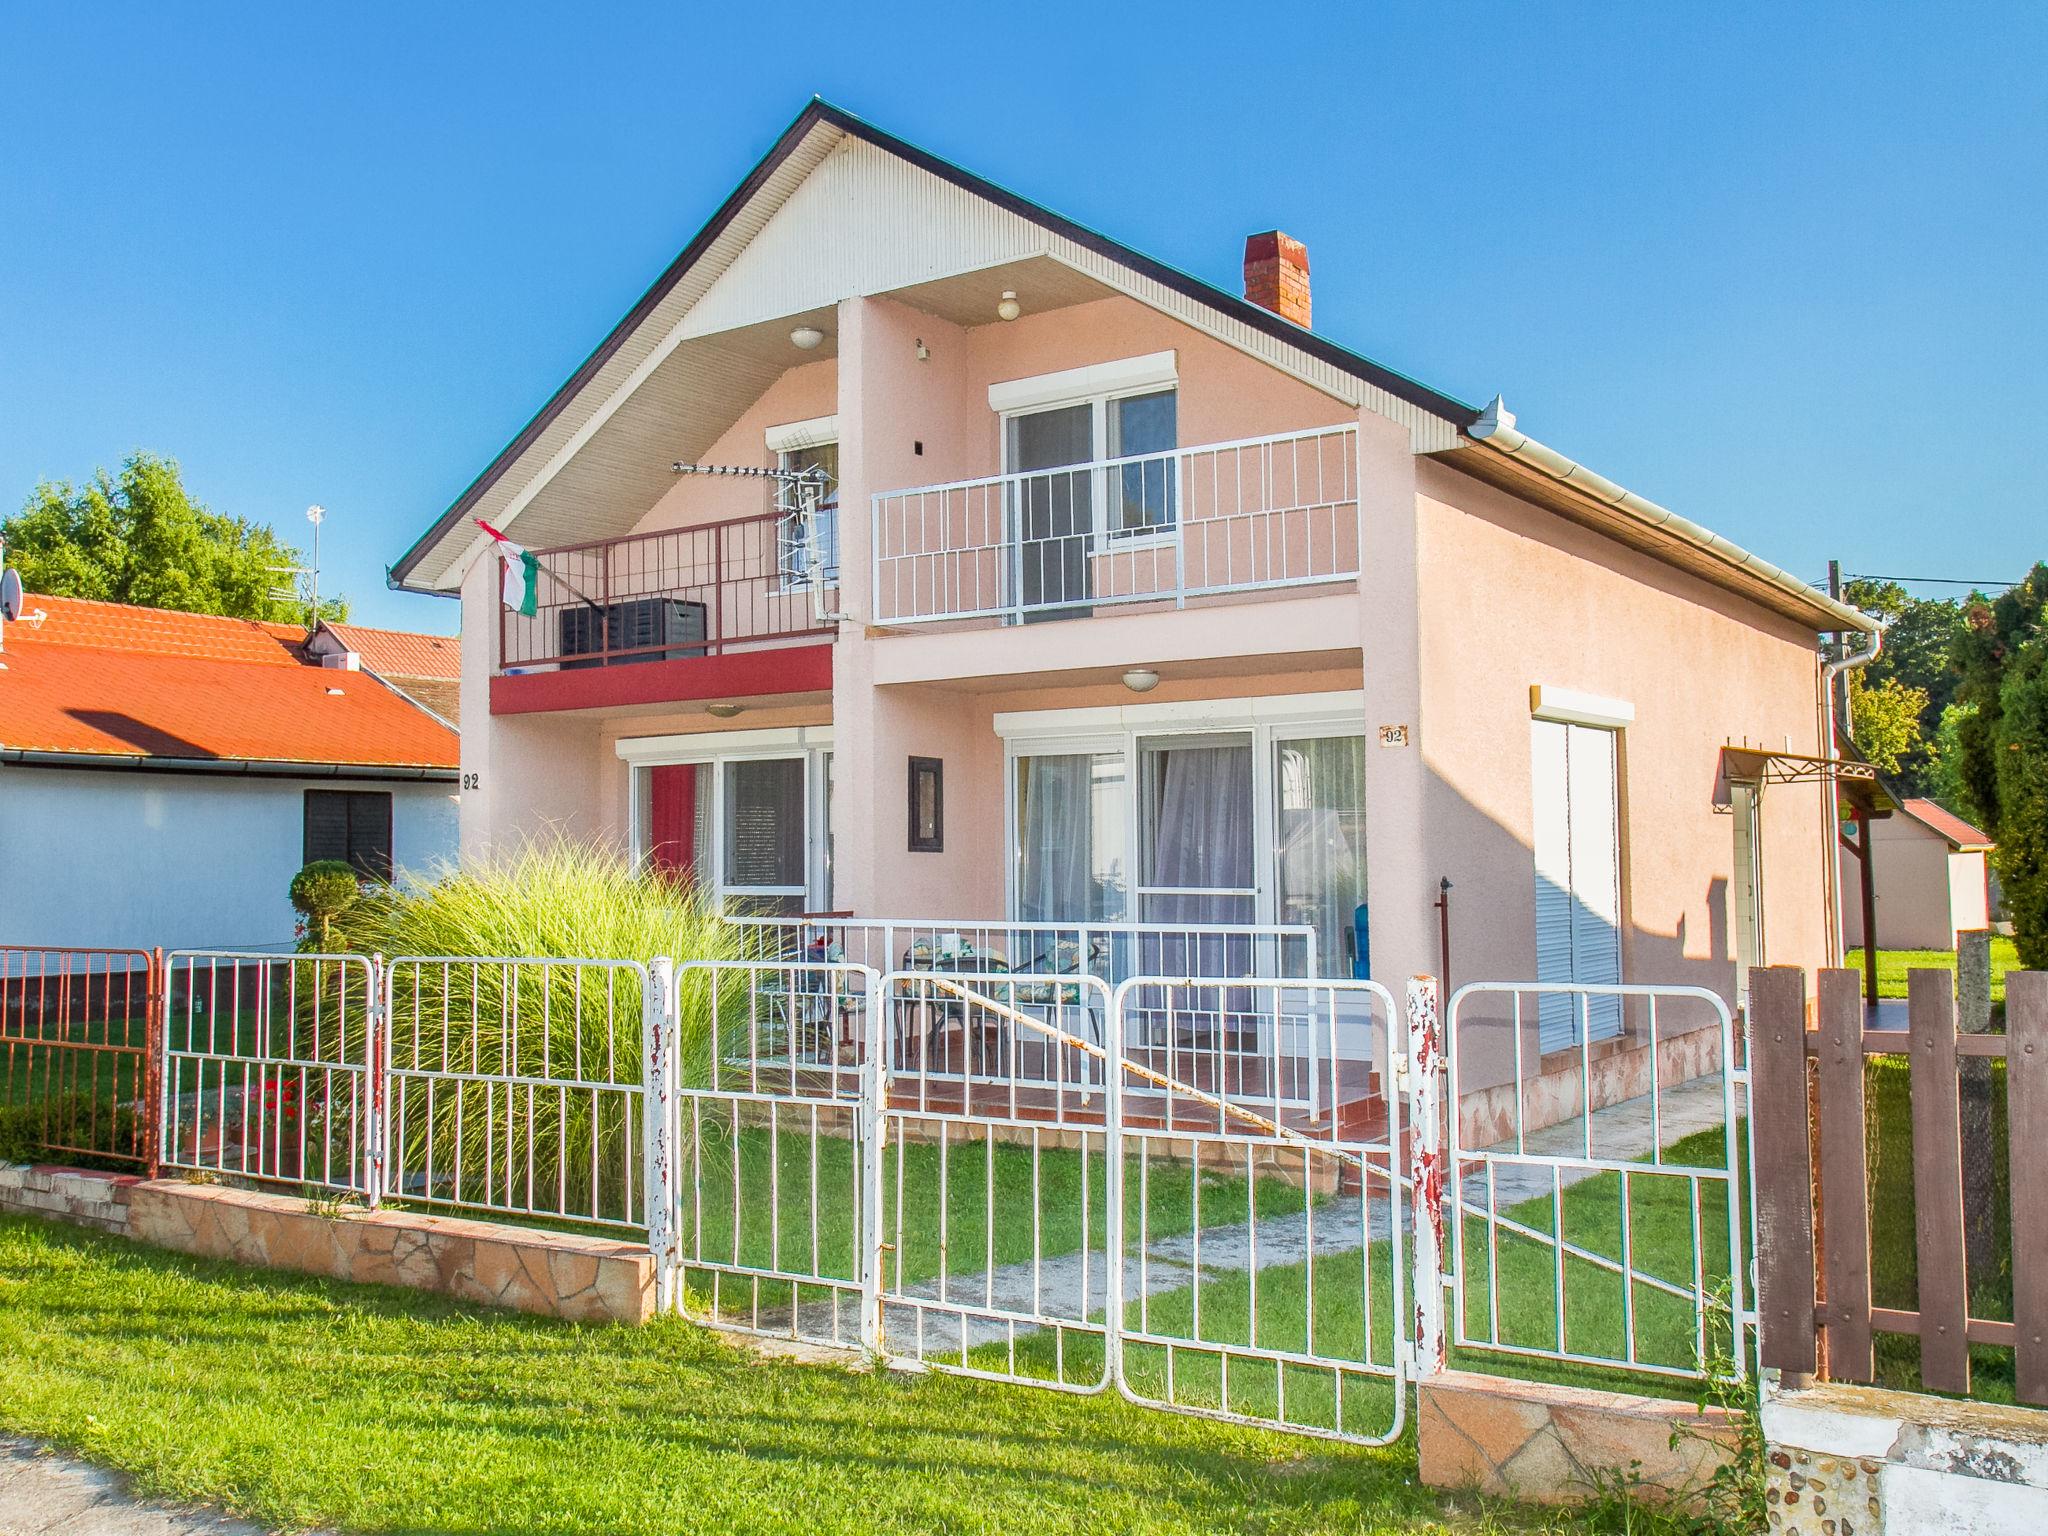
(522, 572)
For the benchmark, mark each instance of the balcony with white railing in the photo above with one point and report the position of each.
(1249, 516)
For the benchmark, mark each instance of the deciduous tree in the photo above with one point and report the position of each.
(141, 538)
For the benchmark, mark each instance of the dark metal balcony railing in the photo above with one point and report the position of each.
(701, 591)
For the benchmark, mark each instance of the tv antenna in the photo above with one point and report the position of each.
(800, 498)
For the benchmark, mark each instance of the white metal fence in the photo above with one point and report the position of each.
(1233, 1042)
(1591, 1217)
(265, 1070)
(515, 1085)
(1223, 517)
(1199, 1189)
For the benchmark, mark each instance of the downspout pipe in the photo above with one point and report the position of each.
(1832, 749)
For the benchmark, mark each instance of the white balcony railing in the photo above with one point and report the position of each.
(1060, 543)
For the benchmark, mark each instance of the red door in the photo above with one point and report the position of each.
(672, 820)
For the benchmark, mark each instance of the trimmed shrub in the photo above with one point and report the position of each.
(321, 892)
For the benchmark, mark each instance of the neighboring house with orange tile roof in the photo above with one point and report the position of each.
(163, 775)
(425, 668)
(1932, 875)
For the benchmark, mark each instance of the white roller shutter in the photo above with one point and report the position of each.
(1577, 838)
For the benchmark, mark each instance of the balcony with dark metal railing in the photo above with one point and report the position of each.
(707, 611)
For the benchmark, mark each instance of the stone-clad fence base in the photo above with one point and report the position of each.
(556, 1274)
(1549, 1444)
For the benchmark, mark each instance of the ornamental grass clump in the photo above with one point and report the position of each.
(508, 1071)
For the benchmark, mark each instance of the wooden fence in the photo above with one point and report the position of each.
(1811, 1116)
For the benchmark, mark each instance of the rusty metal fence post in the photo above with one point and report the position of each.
(1424, 1067)
(659, 1028)
(153, 1035)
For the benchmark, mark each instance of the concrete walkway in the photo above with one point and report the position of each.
(44, 1494)
(1071, 1285)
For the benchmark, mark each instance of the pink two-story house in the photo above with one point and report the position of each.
(1127, 600)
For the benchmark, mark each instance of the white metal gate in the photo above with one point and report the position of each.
(1187, 1187)
(1593, 1197)
(1264, 1274)
(996, 1180)
(768, 1217)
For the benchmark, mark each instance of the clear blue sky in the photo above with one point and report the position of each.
(1780, 268)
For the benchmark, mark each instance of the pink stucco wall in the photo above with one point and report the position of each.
(1467, 597)
(1513, 596)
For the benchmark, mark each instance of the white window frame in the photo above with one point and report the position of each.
(1095, 386)
(1572, 710)
(1122, 728)
(713, 750)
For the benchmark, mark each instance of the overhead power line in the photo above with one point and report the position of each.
(1939, 581)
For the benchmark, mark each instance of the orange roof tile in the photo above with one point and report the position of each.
(112, 680)
(403, 652)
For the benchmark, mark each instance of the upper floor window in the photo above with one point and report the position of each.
(807, 445)
(1125, 414)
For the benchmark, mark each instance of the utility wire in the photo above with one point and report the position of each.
(1939, 581)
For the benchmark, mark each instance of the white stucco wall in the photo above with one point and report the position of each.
(100, 858)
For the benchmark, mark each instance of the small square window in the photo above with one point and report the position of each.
(927, 805)
(353, 826)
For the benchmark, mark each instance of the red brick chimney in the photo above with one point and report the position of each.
(1276, 275)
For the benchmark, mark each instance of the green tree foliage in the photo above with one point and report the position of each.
(1945, 755)
(1920, 634)
(1887, 715)
(141, 538)
(2002, 656)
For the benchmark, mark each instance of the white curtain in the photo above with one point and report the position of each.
(1054, 799)
(1202, 836)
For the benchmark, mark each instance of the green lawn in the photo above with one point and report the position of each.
(1045, 1199)
(1342, 1292)
(305, 1402)
(1892, 965)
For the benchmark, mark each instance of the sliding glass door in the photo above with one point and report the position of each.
(1259, 825)
(1196, 811)
(1055, 510)
(1319, 843)
(751, 830)
(1070, 838)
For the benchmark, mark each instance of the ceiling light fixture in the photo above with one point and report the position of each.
(1007, 308)
(1141, 679)
(806, 338)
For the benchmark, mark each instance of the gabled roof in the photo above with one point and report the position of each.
(107, 684)
(401, 652)
(534, 472)
(816, 130)
(1961, 836)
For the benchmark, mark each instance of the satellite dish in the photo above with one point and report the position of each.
(10, 594)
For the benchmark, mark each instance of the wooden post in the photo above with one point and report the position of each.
(1980, 1157)
(1844, 1178)
(1938, 1184)
(1784, 1169)
(2026, 1087)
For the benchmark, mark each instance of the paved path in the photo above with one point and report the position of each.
(43, 1494)
(1071, 1285)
